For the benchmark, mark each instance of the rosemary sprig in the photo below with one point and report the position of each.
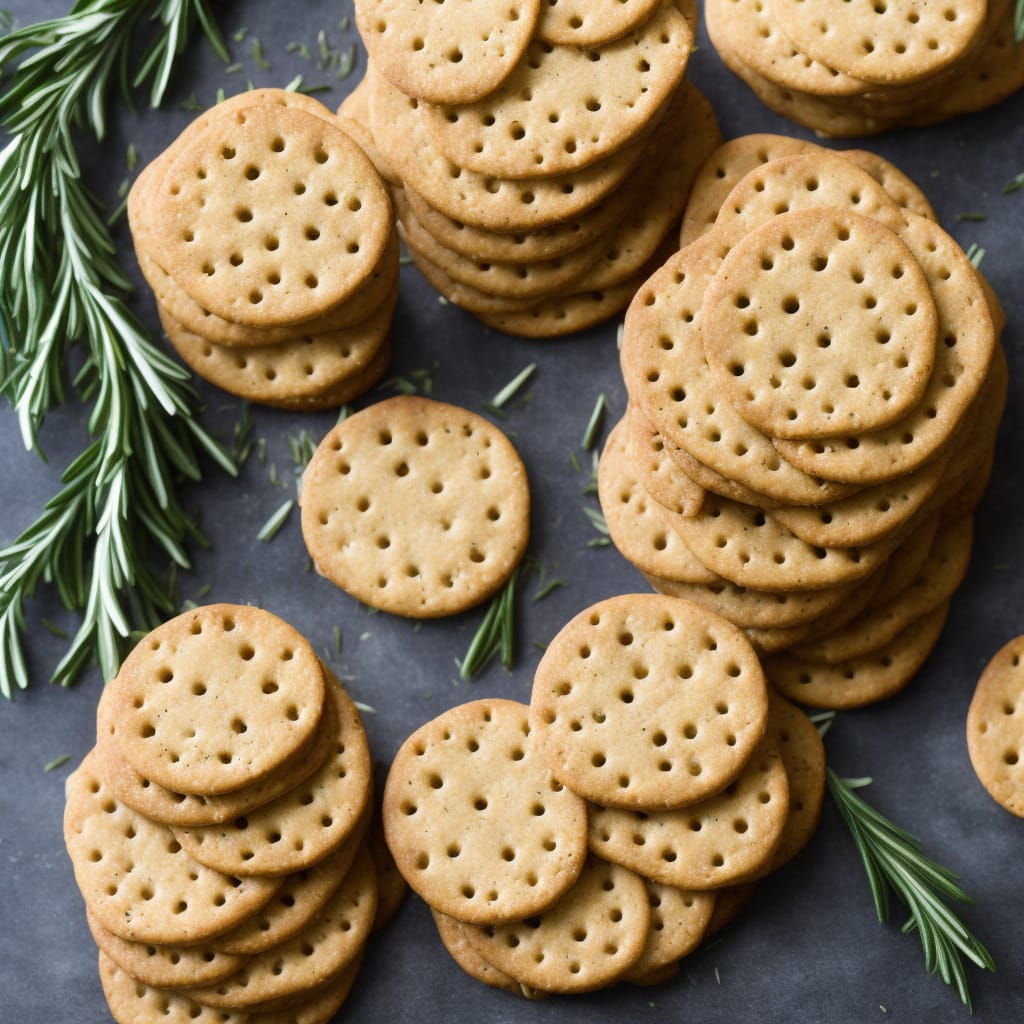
(496, 633)
(896, 865)
(60, 284)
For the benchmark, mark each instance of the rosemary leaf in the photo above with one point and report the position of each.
(56, 762)
(496, 633)
(594, 424)
(510, 389)
(276, 521)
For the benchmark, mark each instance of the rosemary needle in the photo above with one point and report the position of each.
(510, 389)
(276, 521)
(594, 425)
(496, 633)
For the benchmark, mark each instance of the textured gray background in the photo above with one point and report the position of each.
(809, 947)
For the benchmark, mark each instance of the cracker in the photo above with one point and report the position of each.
(321, 1005)
(288, 371)
(166, 807)
(483, 201)
(416, 507)
(563, 108)
(887, 617)
(679, 919)
(995, 737)
(304, 825)
(315, 955)
(354, 118)
(391, 887)
(586, 940)
(659, 475)
(776, 638)
(729, 901)
(667, 376)
(270, 216)
(137, 881)
(477, 824)
(785, 320)
(590, 22)
(899, 186)
(639, 526)
(894, 42)
(298, 901)
(859, 681)
(460, 950)
(909, 558)
(454, 52)
(964, 353)
(645, 701)
(215, 699)
(164, 966)
(714, 843)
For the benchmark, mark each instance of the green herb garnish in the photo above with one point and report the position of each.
(1014, 184)
(896, 865)
(56, 762)
(594, 424)
(509, 390)
(276, 521)
(978, 217)
(975, 254)
(256, 52)
(496, 633)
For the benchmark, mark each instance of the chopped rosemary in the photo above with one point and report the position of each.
(548, 588)
(301, 49)
(337, 642)
(496, 633)
(343, 414)
(53, 628)
(256, 52)
(192, 104)
(346, 63)
(1014, 184)
(276, 521)
(975, 254)
(240, 34)
(897, 865)
(1018, 23)
(6, 21)
(241, 436)
(591, 485)
(509, 390)
(203, 591)
(56, 762)
(573, 461)
(597, 520)
(421, 381)
(594, 425)
(233, 69)
(131, 156)
(972, 216)
(365, 709)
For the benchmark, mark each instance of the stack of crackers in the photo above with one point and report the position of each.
(856, 67)
(266, 235)
(217, 829)
(815, 385)
(601, 833)
(539, 154)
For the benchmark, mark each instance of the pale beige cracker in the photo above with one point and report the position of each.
(317, 954)
(460, 950)
(963, 356)
(886, 43)
(345, 390)
(290, 370)
(790, 317)
(904, 191)
(587, 23)
(667, 376)
(776, 638)
(559, 315)
(708, 845)
(453, 52)
(354, 118)
(887, 617)
(364, 301)
(164, 966)
(298, 901)
(639, 526)
(752, 549)
(589, 938)
(215, 699)
(655, 977)
(563, 108)
(477, 824)
(859, 681)
(749, 28)
(271, 216)
(909, 558)
(319, 1007)
(133, 1002)
(416, 507)
(169, 808)
(391, 887)
(304, 825)
(483, 201)
(659, 475)
(646, 229)
(505, 280)
(679, 919)
(803, 755)
(868, 515)
(729, 901)
(995, 734)
(628, 699)
(137, 881)
(757, 609)
(723, 171)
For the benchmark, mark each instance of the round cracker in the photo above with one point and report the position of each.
(587, 23)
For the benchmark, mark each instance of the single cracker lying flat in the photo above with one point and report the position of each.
(215, 699)
(137, 881)
(564, 108)
(714, 843)
(590, 937)
(679, 919)
(818, 323)
(416, 507)
(305, 824)
(477, 824)
(271, 216)
(453, 52)
(645, 701)
(995, 735)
